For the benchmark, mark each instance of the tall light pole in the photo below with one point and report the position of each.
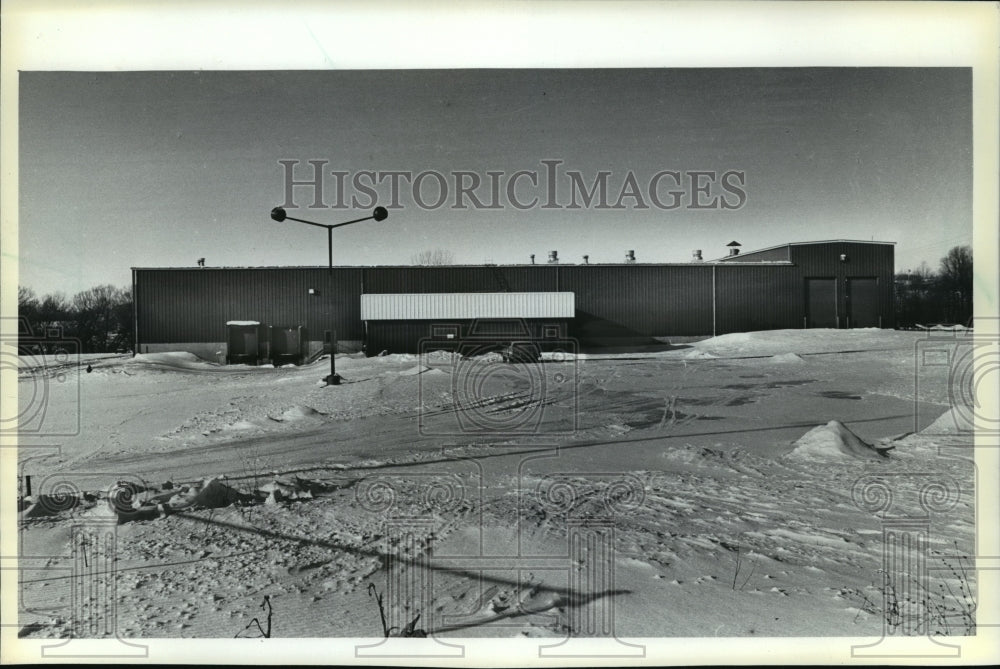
(379, 214)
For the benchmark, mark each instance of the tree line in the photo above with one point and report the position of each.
(925, 297)
(99, 318)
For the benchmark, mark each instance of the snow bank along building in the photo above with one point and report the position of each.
(289, 314)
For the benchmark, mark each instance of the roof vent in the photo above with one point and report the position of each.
(630, 256)
(696, 255)
(532, 258)
(553, 257)
(734, 249)
(586, 260)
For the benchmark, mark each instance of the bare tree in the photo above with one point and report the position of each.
(54, 310)
(38, 316)
(26, 298)
(99, 317)
(956, 268)
(956, 282)
(99, 314)
(434, 257)
(27, 309)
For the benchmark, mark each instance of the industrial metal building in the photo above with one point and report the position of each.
(293, 313)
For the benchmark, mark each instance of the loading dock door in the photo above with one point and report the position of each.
(243, 342)
(821, 303)
(286, 345)
(862, 302)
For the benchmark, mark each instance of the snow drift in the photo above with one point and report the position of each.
(834, 440)
(298, 412)
(213, 494)
(178, 359)
(784, 358)
(951, 422)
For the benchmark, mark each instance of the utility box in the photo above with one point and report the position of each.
(245, 340)
(286, 344)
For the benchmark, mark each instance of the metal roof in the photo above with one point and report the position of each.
(193, 268)
(434, 306)
(726, 259)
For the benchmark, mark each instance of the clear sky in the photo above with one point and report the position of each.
(122, 169)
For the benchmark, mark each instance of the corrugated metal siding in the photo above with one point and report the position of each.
(758, 298)
(174, 306)
(396, 336)
(437, 306)
(627, 301)
(470, 279)
(640, 300)
(863, 260)
(611, 300)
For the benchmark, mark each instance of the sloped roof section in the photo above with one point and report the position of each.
(739, 257)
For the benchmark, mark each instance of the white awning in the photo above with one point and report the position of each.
(436, 306)
(242, 323)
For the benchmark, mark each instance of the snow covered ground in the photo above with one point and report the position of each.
(734, 486)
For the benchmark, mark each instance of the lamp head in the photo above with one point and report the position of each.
(379, 213)
(278, 214)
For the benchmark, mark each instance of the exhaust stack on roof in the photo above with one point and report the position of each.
(586, 260)
(553, 257)
(630, 256)
(696, 256)
(532, 258)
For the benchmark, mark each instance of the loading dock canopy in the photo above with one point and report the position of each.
(433, 306)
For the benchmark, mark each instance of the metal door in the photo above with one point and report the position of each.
(862, 302)
(821, 302)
